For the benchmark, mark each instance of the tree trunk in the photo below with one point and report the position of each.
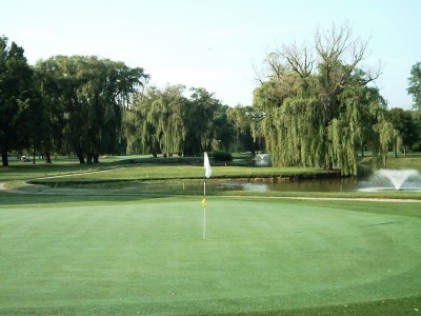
(33, 156)
(80, 156)
(395, 149)
(96, 158)
(47, 157)
(4, 158)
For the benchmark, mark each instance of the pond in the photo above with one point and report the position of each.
(212, 185)
(309, 185)
(381, 180)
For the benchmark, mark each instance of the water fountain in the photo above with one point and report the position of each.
(389, 180)
(263, 160)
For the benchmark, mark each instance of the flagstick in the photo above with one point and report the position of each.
(204, 209)
(208, 172)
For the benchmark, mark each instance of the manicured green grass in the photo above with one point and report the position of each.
(92, 255)
(111, 248)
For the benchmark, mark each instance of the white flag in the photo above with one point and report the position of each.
(206, 164)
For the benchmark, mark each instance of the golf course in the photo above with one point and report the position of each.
(115, 248)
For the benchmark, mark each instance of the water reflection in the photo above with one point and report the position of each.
(313, 185)
(195, 186)
(246, 186)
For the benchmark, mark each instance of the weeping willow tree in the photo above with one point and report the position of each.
(154, 123)
(166, 122)
(167, 115)
(138, 127)
(86, 97)
(321, 111)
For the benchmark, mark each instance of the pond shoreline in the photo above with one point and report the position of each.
(251, 178)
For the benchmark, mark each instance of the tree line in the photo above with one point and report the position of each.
(315, 106)
(86, 106)
(169, 122)
(63, 104)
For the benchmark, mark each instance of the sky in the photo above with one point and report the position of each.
(215, 44)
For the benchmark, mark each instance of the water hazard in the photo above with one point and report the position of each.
(381, 180)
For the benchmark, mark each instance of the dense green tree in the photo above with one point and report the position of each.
(241, 118)
(415, 85)
(50, 86)
(207, 125)
(16, 98)
(222, 129)
(404, 125)
(416, 120)
(198, 115)
(154, 122)
(42, 119)
(139, 127)
(86, 97)
(166, 122)
(415, 90)
(167, 117)
(35, 127)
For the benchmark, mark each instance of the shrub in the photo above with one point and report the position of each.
(221, 156)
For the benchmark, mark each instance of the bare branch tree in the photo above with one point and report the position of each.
(275, 67)
(299, 59)
(338, 46)
(258, 73)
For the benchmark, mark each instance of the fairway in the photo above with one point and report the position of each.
(147, 257)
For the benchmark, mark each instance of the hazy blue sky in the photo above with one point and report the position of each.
(214, 43)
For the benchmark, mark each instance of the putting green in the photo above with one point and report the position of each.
(148, 257)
